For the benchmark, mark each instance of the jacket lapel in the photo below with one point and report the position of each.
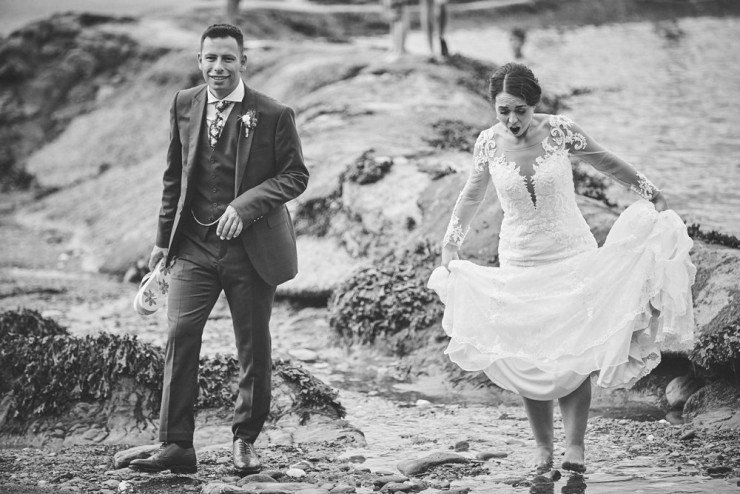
(244, 144)
(197, 116)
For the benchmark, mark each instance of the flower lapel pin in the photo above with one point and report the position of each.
(249, 121)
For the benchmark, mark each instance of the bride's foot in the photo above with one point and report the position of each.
(574, 459)
(543, 459)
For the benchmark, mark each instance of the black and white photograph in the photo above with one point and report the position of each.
(358, 246)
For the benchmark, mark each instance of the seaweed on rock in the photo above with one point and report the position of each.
(46, 370)
(719, 352)
(388, 301)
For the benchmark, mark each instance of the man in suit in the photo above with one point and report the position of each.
(233, 162)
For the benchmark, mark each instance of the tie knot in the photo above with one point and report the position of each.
(221, 105)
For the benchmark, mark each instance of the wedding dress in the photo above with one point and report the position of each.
(559, 308)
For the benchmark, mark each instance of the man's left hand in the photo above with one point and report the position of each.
(230, 225)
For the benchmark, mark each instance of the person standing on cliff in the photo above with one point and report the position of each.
(234, 160)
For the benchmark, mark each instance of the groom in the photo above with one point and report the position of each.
(233, 162)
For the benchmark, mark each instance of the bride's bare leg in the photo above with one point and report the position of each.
(574, 408)
(540, 420)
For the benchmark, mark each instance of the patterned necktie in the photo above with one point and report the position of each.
(217, 124)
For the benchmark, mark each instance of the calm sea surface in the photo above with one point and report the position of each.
(665, 97)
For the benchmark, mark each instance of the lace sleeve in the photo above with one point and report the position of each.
(584, 147)
(472, 194)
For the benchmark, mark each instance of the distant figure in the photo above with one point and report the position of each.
(517, 37)
(434, 21)
(232, 11)
(397, 12)
(669, 30)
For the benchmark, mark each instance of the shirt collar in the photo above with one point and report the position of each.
(237, 95)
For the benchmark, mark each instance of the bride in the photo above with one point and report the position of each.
(559, 309)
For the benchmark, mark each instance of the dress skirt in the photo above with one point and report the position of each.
(606, 313)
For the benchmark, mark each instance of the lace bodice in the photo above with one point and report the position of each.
(535, 188)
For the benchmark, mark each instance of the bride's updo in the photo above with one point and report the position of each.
(517, 80)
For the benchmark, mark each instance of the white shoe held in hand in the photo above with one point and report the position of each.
(153, 290)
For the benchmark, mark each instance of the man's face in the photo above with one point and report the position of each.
(220, 60)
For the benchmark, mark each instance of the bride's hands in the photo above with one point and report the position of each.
(449, 253)
(659, 202)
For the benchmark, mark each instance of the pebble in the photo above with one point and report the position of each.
(423, 403)
(223, 460)
(395, 487)
(414, 467)
(125, 486)
(686, 436)
(381, 481)
(487, 455)
(719, 469)
(342, 489)
(255, 477)
(295, 473)
(302, 465)
(462, 446)
(111, 484)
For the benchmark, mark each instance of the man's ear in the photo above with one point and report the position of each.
(244, 61)
(200, 59)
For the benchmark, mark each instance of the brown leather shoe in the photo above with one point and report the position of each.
(245, 457)
(170, 457)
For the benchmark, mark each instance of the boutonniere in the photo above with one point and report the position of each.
(249, 121)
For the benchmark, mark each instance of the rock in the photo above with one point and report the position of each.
(554, 475)
(680, 389)
(111, 484)
(125, 486)
(224, 460)
(688, 435)
(343, 489)
(395, 487)
(423, 403)
(674, 417)
(462, 446)
(274, 474)
(253, 478)
(719, 469)
(295, 473)
(263, 488)
(487, 455)
(313, 490)
(381, 481)
(302, 465)
(352, 458)
(123, 458)
(414, 467)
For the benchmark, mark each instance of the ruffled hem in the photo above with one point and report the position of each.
(605, 313)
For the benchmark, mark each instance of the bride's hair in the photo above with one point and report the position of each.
(517, 80)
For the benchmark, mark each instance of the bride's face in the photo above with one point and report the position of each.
(514, 113)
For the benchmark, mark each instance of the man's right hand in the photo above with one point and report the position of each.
(157, 254)
(449, 253)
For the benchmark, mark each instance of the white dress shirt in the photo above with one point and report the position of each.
(237, 95)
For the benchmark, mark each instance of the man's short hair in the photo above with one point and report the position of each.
(223, 31)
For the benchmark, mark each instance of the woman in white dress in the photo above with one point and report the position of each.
(560, 309)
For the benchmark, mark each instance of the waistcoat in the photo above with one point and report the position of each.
(215, 170)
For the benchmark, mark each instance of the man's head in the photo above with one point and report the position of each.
(221, 58)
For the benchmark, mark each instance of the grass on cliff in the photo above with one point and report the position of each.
(46, 370)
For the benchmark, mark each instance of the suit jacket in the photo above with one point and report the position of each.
(269, 172)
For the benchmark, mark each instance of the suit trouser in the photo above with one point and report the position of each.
(204, 266)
